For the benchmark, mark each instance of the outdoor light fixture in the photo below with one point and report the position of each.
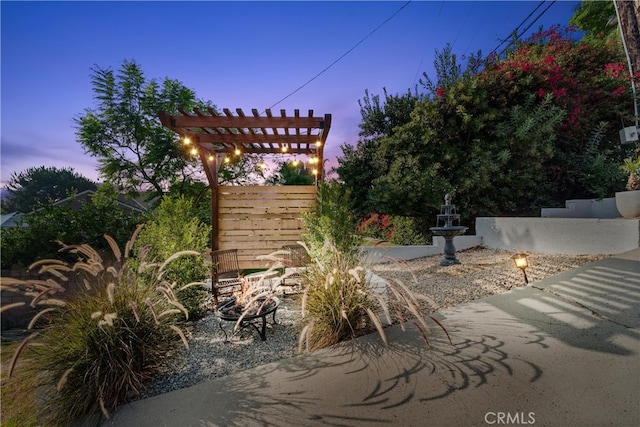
(521, 262)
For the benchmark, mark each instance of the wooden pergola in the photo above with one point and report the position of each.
(216, 136)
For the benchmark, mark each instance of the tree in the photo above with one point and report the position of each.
(291, 173)
(449, 71)
(34, 187)
(516, 136)
(359, 166)
(174, 227)
(595, 18)
(629, 12)
(36, 237)
(124, 132)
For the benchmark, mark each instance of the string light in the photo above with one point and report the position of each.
(284, 148)
(295, 162)
(194, 151)
(315, 171)
(186, 140)
(318, 143)
(263, 165)
(211, 157)
(227, 159)
(237, 151)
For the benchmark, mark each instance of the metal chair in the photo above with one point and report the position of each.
(226, 276)
(296, 261)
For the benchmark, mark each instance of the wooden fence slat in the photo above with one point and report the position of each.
(260, 220)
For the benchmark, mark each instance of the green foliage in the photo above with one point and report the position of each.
(594, 171)
(34, 187)
(124, 132)
(340, 302)
(36, 237)
(631, 166)
(594, 18)
(394, 229)
(241, 170)
(333, 222)
(94, 346)
(508, 139)
(291, 173)
(448, 71)
(174, 227)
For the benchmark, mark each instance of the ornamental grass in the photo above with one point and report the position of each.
(341, 301)
(90, 350)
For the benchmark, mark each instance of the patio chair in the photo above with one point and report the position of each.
(226, 276)
(296, 261)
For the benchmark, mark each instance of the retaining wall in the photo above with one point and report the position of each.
(376, 254)
(560, 235)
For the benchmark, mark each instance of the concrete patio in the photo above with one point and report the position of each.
(563, 351)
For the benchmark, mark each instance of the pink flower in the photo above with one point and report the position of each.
(619, 91)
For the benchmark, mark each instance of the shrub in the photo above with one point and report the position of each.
(174, 227)
(395, 229)
(36, 238)
(340, 302)
(93, 348)
(332, 221)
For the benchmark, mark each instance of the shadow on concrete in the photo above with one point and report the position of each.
(586, 308)
(363, 383)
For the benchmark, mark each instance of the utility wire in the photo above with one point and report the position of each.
(529, 26)
(517, 28)
(343, 55)
(415, 78)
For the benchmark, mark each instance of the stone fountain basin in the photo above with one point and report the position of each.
(454, 230)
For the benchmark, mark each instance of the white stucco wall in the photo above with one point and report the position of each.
(560, 235)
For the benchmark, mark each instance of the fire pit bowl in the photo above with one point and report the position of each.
(231, 311)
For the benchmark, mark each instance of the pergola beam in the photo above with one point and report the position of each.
(216, 135)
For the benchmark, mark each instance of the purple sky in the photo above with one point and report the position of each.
(235, 54)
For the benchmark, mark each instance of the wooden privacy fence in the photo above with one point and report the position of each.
(258, 220)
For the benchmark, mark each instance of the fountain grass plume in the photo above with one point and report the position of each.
(339, 302)
(91, 349)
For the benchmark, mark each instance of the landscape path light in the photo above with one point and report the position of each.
(522, 263)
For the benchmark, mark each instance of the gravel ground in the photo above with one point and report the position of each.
(482, 272)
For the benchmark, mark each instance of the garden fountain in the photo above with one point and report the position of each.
(448, 230)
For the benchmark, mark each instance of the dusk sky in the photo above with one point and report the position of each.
(235, 54)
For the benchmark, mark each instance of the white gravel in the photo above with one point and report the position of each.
(482, 272)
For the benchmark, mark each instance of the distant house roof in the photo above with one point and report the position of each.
(126, 203)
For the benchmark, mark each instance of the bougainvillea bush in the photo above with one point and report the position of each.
(529, 129)
(591, 83)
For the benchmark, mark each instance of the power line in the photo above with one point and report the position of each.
(344, 54)
(529, 26)
(424, 53)
(517, 28)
